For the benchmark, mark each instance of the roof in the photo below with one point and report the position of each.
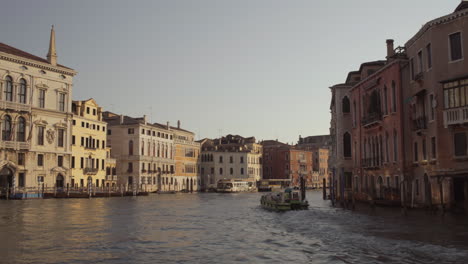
(460, 11)
(20, 53)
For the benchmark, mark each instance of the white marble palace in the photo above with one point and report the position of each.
(35, 117)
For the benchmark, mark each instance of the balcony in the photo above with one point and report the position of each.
(369, 163)
(456, 116)
(111, 177)
(15, 106)
(90, 171)
(372, 119)
(14, 145)
(419, 123)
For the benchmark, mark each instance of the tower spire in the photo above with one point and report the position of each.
(52, 54)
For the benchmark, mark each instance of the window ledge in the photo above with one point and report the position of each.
(455, 61)
(460, 158)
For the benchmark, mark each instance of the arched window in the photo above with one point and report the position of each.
(21, 136)
(220, 171)
(142, 147)
(347, 145)
(345, 107)
(8, 89)
(59, 181)
(130, 147)
(22, 91)
(6, 128)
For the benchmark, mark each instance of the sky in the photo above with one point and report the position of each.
(258, 68)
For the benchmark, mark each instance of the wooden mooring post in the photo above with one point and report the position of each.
(324, 189)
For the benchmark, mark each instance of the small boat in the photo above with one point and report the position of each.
(287, 200)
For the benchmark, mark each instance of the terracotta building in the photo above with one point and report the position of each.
(436, 86)
(377, 134)
(289, 163)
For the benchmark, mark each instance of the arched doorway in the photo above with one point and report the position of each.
(6, 178)
(191, 185)
(427, 191)
(59, 181)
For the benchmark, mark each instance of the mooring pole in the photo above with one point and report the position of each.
(324, 189)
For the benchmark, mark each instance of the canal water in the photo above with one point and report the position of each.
(222, 228)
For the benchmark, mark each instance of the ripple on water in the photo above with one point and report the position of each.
(215, 228)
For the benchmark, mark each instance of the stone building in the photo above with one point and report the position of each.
(111, 170)
(377, 130)
(144, 152)
(187, 152)
(36, 118)
(88, 144)
(320, 147)
(435, 83)
(287, 162)
(230, 157)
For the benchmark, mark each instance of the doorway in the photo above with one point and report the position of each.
(6, 178)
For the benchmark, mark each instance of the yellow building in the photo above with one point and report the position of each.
(187, 150)
(89, 152)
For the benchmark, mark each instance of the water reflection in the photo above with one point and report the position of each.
(220, 228)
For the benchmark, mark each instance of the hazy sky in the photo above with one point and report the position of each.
(251, 67)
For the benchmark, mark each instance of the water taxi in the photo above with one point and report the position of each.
(232, 185)
(287, 200)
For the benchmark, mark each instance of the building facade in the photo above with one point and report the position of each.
(36, 120)
(144, 153)
(230, 157)
(286, 162)
(88, 144)
(437, 111)
(377, 134)
(187, 152)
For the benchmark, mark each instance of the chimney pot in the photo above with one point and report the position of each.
(178, 124)
(167, 125)
(390, 48)
(121, 119)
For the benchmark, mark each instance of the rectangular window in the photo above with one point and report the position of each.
(455, 46)
(87, 110)
(142, 131)
(21, 159)
(62, 102)
(61, 137)
(73, 140)
(102, 164)
(40, 135)
(94, 111)
(460, 144)
(40, 160)
(424, 149)
(416, 151)
(60, 161)
(412, 68)
(73, 162)
(82, 163)
(433, 148)
(429, 56)
(21, 180)
(220, 159)
(131, 131)
(420, 61)
(42, 94)
(130, 167)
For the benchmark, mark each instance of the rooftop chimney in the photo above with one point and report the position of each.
(121, 119)
(167, 125)
(178, 124)
(144, 119)
(390, 49)
(52, 54)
